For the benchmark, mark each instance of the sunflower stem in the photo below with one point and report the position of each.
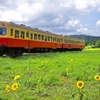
(81, 95)
(99, 88)
(99, 80)
(16, 96)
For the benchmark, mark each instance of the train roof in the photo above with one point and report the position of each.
(74, 38)
(28, 27)
(36, 29)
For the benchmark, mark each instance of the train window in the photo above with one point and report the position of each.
(66, 41)
(70, 41)
(16, 33)
(11, 32)
(38, 36)
(54, 39)
(78, 42)
(58, 40)
(61, 40)
(51, 38)
(42, 37)
(45, 38)
(2, 31)
(31, 37)
(48, 38)
(35, 36)
(73, 41)
(27, 34)
(22, 34)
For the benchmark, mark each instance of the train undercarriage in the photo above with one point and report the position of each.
(16, 52)
(12, 52)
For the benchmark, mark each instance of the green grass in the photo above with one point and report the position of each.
(43, 76)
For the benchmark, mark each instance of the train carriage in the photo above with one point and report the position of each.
(70, 43)
(16, 39)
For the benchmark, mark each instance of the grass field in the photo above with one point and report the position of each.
(51, 76)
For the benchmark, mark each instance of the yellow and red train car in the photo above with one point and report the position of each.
(16, 39)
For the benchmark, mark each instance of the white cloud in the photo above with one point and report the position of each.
(82, 5)
(73, 24)
(11, 15)
(98, 23)
(85, 4)
(82, 30)
(57, 20)
(57, 15)
(66, 3)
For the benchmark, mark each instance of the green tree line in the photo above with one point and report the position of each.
(94, 44)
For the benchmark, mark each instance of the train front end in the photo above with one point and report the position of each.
(3, 37)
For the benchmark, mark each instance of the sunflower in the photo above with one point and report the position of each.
(80, 84)
(7, 88)
(71, 60)
(15, 86)
(67, 70)
(16, 77)
(97, 77)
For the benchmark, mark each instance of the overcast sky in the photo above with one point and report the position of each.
(58, 16)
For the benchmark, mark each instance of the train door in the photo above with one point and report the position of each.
(27, 38)
(11, 36)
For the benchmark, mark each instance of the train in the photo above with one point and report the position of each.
(16, 39)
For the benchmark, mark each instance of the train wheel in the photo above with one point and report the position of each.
(14, 52)
(1, 53)
(19, 52)
(50, 50)
(11, 52)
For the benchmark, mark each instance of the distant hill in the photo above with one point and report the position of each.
(86, 37)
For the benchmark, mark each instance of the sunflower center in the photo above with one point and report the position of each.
(80, 84)
(15, 86)
(97, 77)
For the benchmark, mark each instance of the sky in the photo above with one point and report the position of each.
(67, 17)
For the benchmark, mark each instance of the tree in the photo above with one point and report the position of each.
(97, 44)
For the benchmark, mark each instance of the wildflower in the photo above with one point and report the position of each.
(15, 86)
(71, 60)
(41, 64)
(67, 70)
(80, 84)
(62, 79)
(7, 88)
(97, 77)
(28, 68)
(46, 63)
(16, 77)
